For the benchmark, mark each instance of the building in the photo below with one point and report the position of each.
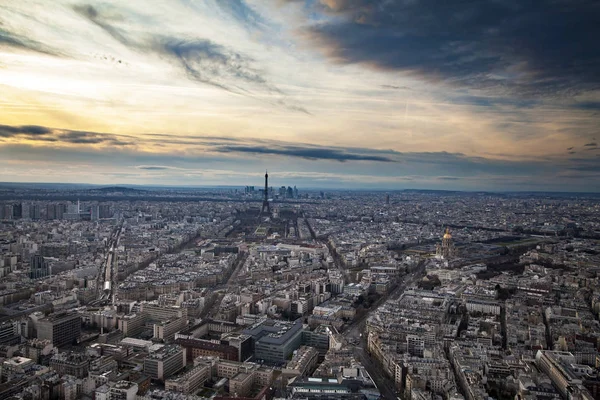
(123, 390)
(9, 333)
(560, 366)
(241, 384)
(165, 362)
(303, 362)
(275, 341)
(38, 350)
(39, 267)
(161, 313)
(59, 329)
(200, 347)
(70, 363)
(191, 381)
(132, 324)
(95, 212)
(446, 250)
(34, 211)
(104, 211)
(166, 330)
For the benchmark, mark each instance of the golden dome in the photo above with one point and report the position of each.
(447, 235)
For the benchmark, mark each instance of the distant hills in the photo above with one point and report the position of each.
(116, 189)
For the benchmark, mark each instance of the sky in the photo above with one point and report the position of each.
(386, 94)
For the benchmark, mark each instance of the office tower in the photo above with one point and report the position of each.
(6, 211)
(295, 192)
(104, 211)
(39, 267)
(387, 199)
(18, 211)
(290, 192)
(60, 329)
(34, 211)
(51, 211)
(9, 333)
(55, 211)
(73, 208)
(95, 212)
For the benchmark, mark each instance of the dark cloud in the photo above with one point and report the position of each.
(208, 62)
(310, 153)
(531, 48)
(8, 131)
(152, 167)
(586, 168)
(102, 20)
(10, 39)
(570, 148)
(247, 151)
(394, 87)
(592, 144)
(85, 137)
(587, 105)
(45, 134)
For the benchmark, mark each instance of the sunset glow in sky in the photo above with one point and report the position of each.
(473, 95)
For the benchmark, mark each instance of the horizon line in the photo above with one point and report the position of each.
(319, 188)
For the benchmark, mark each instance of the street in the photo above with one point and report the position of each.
(357, 333)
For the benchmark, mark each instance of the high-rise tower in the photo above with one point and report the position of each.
(265, 205)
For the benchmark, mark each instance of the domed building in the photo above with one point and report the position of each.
(446, 250)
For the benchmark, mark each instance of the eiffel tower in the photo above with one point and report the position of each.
(265, 205)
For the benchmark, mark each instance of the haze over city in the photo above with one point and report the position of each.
(482, 95)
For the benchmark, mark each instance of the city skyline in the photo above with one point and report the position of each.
(329, 93)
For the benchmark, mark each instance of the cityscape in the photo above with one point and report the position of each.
(299, 200)
(282, 293)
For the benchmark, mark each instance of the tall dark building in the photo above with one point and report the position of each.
(51, 211)
(18, 211)
(104, 211)
(34, 211)
(265, 205)
(60, 329)
(39, 267)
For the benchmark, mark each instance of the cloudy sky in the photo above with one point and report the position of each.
(461, 94)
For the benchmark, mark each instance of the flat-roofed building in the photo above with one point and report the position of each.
(132, 324)
(191, 381)
(60, 329)
(275, 341)
(123, 390)
(165, 362)
(166, 330)
(241, 384)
